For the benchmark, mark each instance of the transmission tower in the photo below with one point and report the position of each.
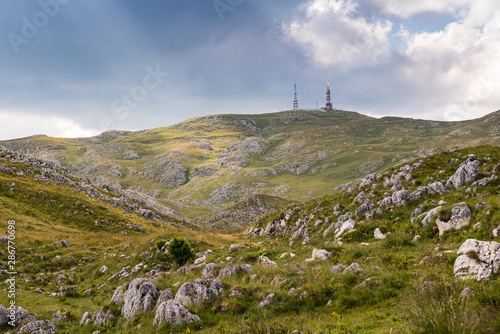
(295, 100)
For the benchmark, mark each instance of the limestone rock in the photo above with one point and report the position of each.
(38, 327)
(235, 247)
(165, 296)
(319, 255)
(466, 173)
(337, 269)
(174, 313)
(198, 291)
(21, 316)
(266, 262)
(139, 297)
(117, 296)
(103, 318)
(399, 197)
(266, 301)
(353, 267)
(208, 271)
(378, 234)
(85, 319)
(477, 259)
(460, 217)
(346, 226)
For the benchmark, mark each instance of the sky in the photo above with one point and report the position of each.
(72, 68)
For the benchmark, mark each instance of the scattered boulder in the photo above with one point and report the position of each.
(198, 291)
(174, 313)
(399, 197)
(208, 271)
(139, 297)
(460, 217)
(85, 319)
(437, 187)
(319, 255)
(103, 269)
(346, 226)
(466, 173)
(103, 318)
(378, 234)
(337, 269)
(38, 327)
(266, 301)
(427, 217)
(477, 259)
(235, 247)
(353, 267)
(68, 291)
(266, 262)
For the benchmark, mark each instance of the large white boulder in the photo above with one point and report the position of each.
(174, 313)
(139, 297)
(477, 259)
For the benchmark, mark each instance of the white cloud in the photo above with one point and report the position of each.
(458, 66)
(15, 124)
(408, 8)
(332, 34)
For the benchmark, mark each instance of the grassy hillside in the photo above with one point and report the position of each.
(203, 165)
(405, 284)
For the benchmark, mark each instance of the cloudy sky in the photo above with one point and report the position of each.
(77, 68)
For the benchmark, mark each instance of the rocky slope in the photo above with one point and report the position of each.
(422, 234)
(199, 168)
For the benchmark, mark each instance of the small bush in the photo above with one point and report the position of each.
(180, 250)
(159, 244)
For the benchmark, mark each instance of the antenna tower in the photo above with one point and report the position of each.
(295, 100)
(329, 106)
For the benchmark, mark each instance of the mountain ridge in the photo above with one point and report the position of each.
(202, 166)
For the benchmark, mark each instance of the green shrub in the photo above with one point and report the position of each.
(180, 250)
(159, 244)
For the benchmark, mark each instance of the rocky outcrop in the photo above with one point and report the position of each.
(198, 291)
(165, 296)
(21, 316)
(38, 327)
(477, 259)
(208, 271)
(117, 296)
(139, 297)
(427, 217)
(466, 173)
(460, 217)
(174, 313)
(102, 318)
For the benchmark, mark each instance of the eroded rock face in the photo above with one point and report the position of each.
(208, 271)
(21, 316)
(198, 291)
(102, 318)
(139, 297)
(460, 217)
(174, 313)
(38, 327)
(477, 259)
(466, 173)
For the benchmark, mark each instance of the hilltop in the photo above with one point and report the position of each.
(197, 169)
(411, 249)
